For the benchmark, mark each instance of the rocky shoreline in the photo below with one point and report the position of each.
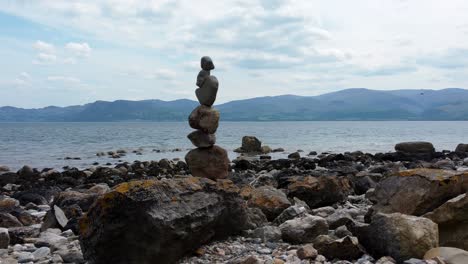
(319, 208)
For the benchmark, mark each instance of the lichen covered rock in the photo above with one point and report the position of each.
(160, 221)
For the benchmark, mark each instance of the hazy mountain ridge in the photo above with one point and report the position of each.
(349, 104)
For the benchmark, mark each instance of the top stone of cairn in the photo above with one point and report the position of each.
(207, 63)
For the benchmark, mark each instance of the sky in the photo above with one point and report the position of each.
(63, 52)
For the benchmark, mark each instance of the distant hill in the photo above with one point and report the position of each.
(349, 104)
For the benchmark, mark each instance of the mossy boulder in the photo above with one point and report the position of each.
(160, 221)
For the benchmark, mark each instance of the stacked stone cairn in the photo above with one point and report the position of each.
(207, 160)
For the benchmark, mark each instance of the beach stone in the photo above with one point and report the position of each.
(399, 236)
(8, 204)
(4, 238)
(452, 219)
(251, 144)
(41, 253)
(294, 155)
(415, 147)
(201, 139)
(8, 220)
(54, 218)
(267, 233)
(462, 148)
(206, 63)
(427, 189)
(270, 200)
(168, 218)
(319, 191)
(347, 248)
(206, 94)
(24, 257)
(210, 163)
(201, 77)
(307, 252)
(449, 255)
(303, 229)
(4, 168)
(292, 212)
(19, 234)
(204, 118)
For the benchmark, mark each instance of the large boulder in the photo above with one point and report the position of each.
(415, 147)
(204, 118)
(319, 191)
(462, 148)
(251, 144)
(399, 236)
(211, 162)
(303, 229)
(418, 191)
(270, 200)
(160, 221)
(452, 218)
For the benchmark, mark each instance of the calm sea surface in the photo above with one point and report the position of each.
(47, 144)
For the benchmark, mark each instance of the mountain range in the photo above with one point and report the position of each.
(348, 104)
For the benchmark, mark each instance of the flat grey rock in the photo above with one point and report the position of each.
(201, 139)
(206, 94)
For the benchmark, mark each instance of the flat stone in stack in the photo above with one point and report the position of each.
(208, 160)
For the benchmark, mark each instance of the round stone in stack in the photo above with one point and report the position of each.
(204, 118)
(201, 139)
(206, 94)
(212, 163)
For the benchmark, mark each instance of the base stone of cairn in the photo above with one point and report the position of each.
(207, 160)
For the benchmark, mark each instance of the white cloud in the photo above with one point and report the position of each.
(44, 47)
(66, 79)
(79, 49)
(45, 58)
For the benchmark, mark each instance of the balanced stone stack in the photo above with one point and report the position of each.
(207, 160)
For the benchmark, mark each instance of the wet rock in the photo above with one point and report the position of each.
(266, 149)
(303, 229)
(270, 200)
(294, 155)
(204, 118)
(449, 255)
(251, 144)
(415, 147)
(168, 218)
(362, 182)
(211, 162)
(399, 236)
(201, 139)
(4, 169)
(278, 150)
(319, 191)
(425, 188)
(31, 197)
(452, 219)
(4, 238)
(462, 148)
